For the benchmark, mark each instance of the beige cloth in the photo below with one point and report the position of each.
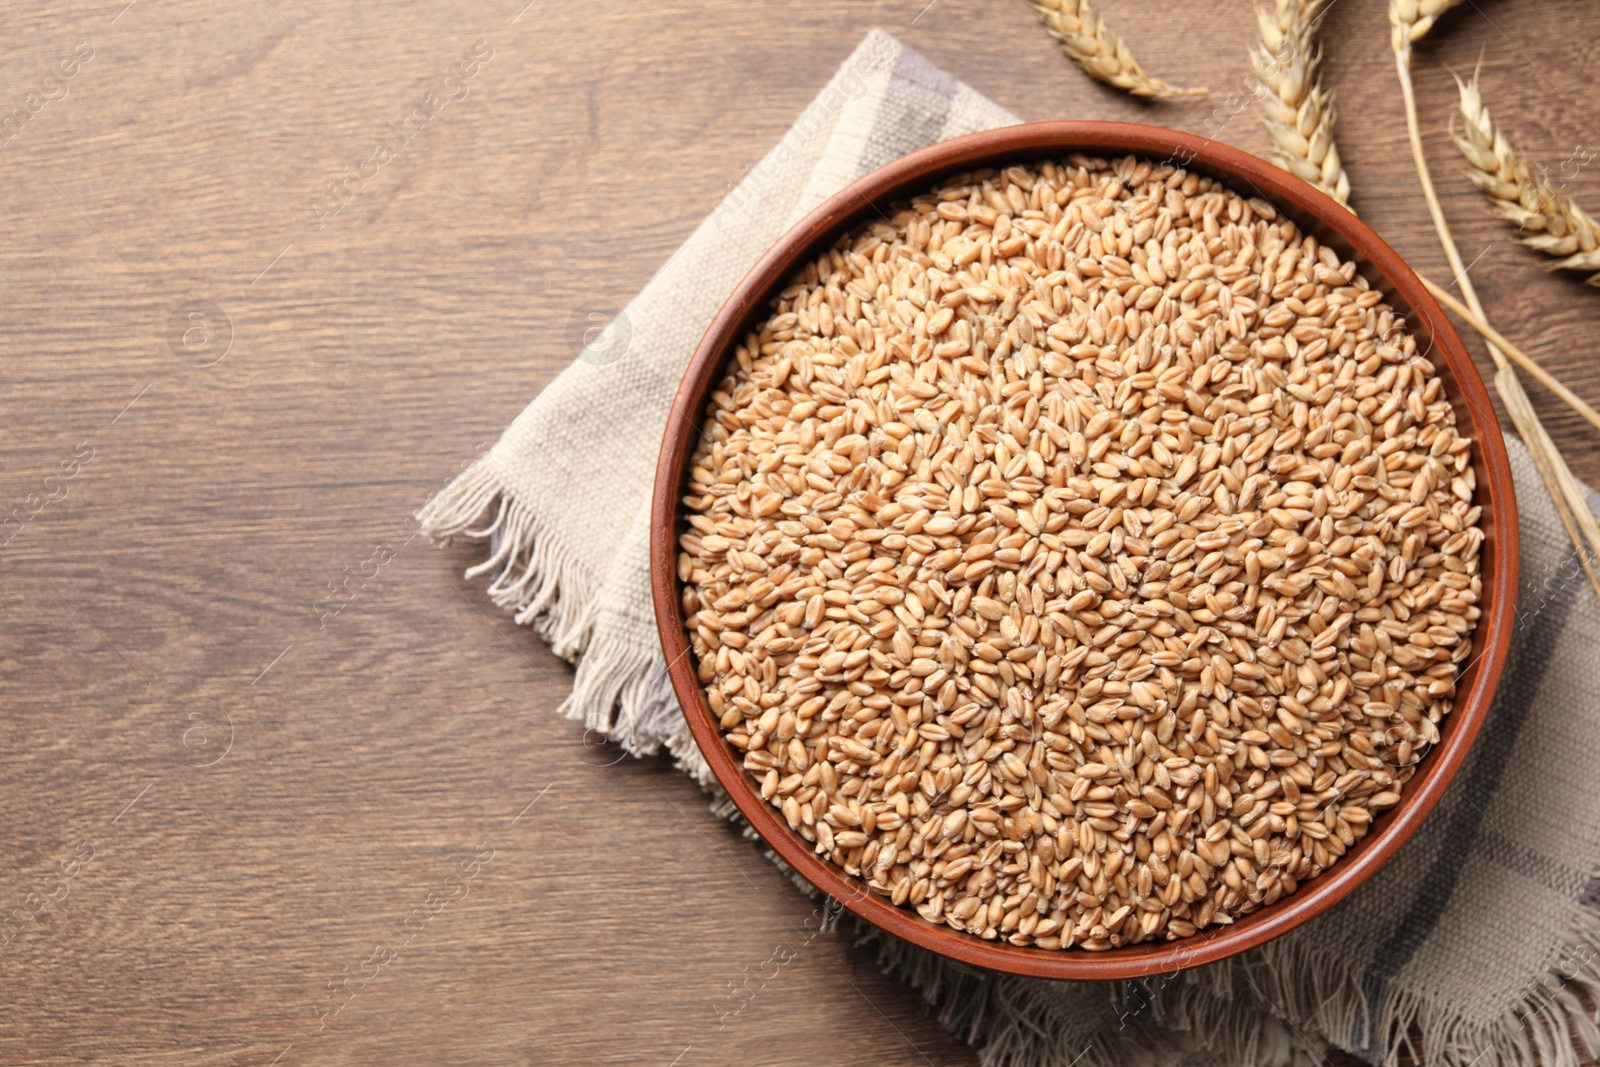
(1471, 942)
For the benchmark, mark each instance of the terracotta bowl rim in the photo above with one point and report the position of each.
(1324, 219)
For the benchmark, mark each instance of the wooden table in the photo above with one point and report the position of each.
(223, 785)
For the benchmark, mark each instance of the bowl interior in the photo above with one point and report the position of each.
(1317, 216)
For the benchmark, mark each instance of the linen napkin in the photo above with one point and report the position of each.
(1472, 946)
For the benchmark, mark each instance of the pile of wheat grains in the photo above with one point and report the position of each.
(1081, 555)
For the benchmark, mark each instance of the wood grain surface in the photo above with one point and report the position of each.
(255, 728)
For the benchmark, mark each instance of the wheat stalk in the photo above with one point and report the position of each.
(1409, 21)
(1572, 506)
(1085, 37)
(1298, 112)
(1546, 221)
(1522, 359)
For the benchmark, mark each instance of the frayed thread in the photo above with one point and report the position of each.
(528, 573)
(1022, 1022)
(621, 691)
(1319, 995)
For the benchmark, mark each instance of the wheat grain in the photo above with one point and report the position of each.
(1410, 20)
(1545, 221)
(1085, 37)
(1080, 555)
(1298, 112)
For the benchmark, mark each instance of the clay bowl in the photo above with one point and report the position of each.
(1316, 215)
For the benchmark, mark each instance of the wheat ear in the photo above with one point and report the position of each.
(1085, 37)
(1572, 507)
(1298, 112)
(1545, 221)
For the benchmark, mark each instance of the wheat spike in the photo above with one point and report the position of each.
(1085, 37)
(1546, 221)
(1298, 112)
